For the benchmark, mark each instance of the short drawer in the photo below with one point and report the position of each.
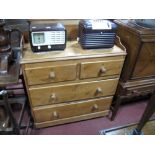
(71, 92)
(100, 68)
(51, 113)
(50, 74)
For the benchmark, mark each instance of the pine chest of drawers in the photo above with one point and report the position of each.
(71, 85)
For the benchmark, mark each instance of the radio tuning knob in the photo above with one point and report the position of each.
(49, 47)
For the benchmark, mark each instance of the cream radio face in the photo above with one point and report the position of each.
(48, 38)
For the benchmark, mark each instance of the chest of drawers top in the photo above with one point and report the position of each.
(73, 51)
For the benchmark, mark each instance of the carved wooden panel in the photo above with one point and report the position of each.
(145, 66)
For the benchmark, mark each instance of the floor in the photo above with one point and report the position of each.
(128, 113)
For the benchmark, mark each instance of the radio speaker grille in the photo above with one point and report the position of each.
(57, 37)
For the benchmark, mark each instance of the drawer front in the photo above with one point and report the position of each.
(51, 113)
(100, 68)
(50, 74)
(70, 92)
(140, 89)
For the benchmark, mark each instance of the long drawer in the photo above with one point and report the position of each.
(61, 111)
(100, 68)
(70, 92)
(50, 74)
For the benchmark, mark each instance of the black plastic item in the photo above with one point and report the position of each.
(97, 34)
(55, 38)
(145, 23)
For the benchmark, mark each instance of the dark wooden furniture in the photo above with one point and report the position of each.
(11, 77)
(8, 122)
(146, 116)
(138, 74)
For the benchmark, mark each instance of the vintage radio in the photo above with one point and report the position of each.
(97, 33)
(47, 37)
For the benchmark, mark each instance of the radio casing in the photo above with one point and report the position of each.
(47, 37)
(95, 34)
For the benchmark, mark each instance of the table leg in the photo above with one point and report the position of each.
(10, 113)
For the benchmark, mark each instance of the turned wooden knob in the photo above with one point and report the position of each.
(52, 75)
(95, 107)
(99, 91)
(55, 114)
(53, 98)
(102, 70)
